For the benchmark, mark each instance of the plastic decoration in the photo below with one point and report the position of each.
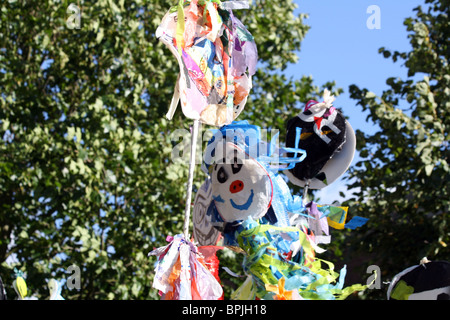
(279, 235)
(211, 260)
(181, 273)
(245, 202)
(337, 217)
(55, 290)
(19, 284)
(204, 232)
(280, 293)
(216, 55)
(327, 138)
(243, 183)
(274, 253)
(430, 280)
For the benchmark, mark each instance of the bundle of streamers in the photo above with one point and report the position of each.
(182, 273)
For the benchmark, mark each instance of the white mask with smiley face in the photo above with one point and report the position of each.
(241, 186)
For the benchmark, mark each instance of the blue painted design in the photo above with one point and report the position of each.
(244, 206)
(356, 222)
(218, 198)
(248, 138)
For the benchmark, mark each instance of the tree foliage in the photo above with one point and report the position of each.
(402, 181)
(86, 176)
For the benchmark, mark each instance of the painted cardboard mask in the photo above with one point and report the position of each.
(427, 281)
(241, 186)
(204, 232)
(328, 140)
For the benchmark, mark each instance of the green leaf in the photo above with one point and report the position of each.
(370, 95)
(70, 133)
(110, 177)
(429, 169)
(100, 35)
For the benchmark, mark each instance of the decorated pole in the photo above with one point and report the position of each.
(217, 57)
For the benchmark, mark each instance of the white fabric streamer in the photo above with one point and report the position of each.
(235, 5)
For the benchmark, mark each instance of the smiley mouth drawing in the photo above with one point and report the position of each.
(244, 206)
(241, 187)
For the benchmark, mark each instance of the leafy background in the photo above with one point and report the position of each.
(86, 170)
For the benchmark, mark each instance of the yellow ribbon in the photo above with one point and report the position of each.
(21, 287)
(180, 26)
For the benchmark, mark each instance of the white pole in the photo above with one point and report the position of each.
(187, 210)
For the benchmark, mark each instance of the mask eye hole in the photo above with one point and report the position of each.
(236, 167)
(222, 176)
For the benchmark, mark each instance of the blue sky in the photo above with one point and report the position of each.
(340, 47)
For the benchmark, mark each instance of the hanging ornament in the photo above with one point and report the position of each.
(245, 199)
(55, 288)
(327, 138)
(204, 232)
(243, 184)
(181, 273)
(430, 280)
(253, 208)
(19, 284)
(216, 55)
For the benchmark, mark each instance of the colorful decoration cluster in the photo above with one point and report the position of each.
(249, 202)
(245, 202)
(217, 57)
